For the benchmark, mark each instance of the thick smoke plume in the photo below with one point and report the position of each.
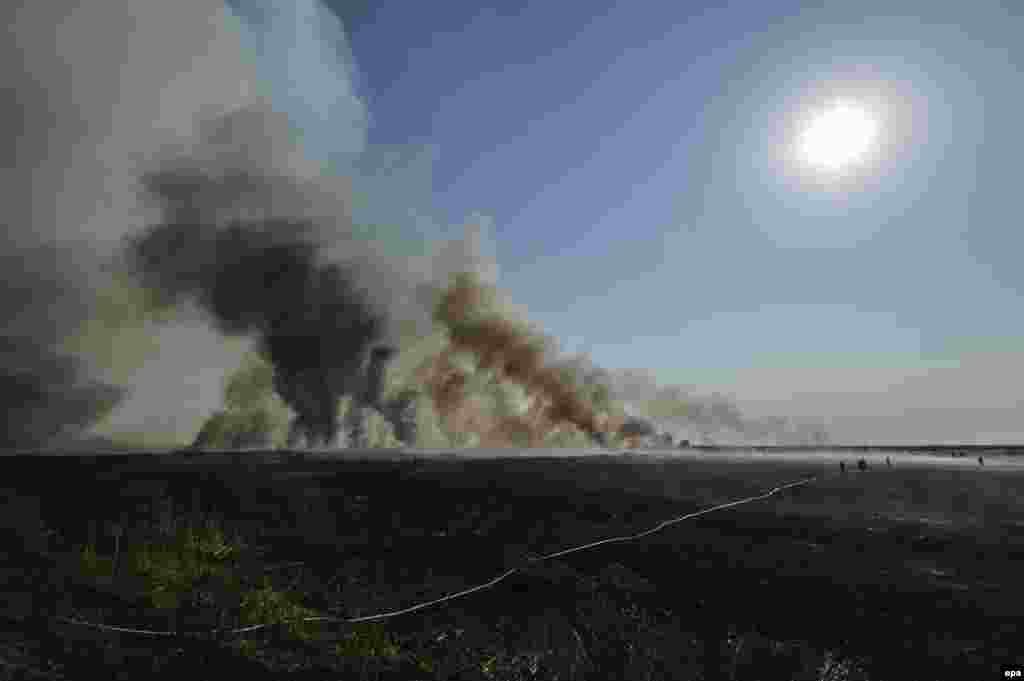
(515, 355)
(223, 243)
(248, 229)
(46, 395)
(90, 91)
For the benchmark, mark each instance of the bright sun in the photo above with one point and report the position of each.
(838, 137)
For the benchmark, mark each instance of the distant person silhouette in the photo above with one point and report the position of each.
(888, 462)
(862, 465)
(981, 461)
(842, 466)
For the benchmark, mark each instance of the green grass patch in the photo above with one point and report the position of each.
(200, 565)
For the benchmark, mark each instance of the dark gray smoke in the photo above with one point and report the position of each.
(220, 244)
(46, 395)
(637, 428)
(374, 391)
(89, 91)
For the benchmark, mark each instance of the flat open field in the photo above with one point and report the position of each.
(859, 575)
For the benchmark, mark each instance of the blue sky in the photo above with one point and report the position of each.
(625, 155)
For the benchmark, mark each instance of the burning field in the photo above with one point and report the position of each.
(326, 315)
(347, 348)
(190, 265)
(226, 294)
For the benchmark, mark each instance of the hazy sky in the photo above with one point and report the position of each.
(626, 156)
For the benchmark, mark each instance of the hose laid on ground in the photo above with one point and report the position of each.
(479, 587)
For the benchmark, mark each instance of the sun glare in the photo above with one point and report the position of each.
(838, 137)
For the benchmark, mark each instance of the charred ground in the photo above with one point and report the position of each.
(877, 569)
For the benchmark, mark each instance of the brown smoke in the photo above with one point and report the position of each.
(514, 354)
(445, 383)
(448, 386)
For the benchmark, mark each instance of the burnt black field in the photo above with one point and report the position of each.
(914, 567)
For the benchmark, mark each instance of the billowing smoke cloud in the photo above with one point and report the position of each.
(95, 92)
(87, 90)
(512, 351)
(249, 248)
(46, 394)
(244, 224)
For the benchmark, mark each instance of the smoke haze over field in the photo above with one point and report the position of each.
(689, 414)
(173, 155)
